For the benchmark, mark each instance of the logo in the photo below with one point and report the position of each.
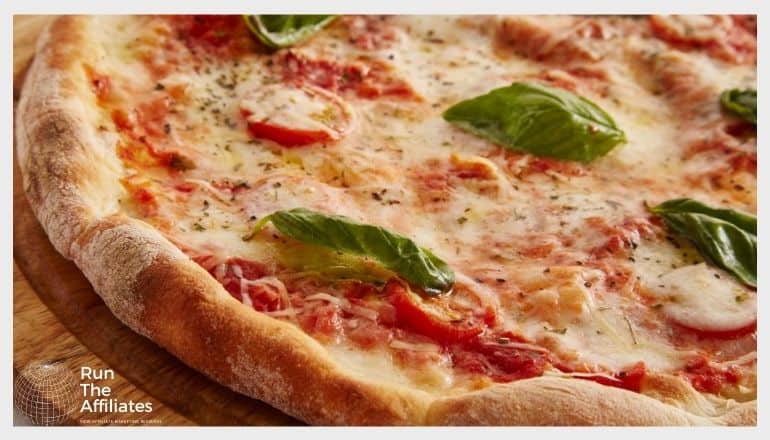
(46, 392)
(99, 398)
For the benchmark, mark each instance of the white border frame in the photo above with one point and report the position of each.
(21, 7)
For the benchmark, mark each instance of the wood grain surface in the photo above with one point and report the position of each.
(58, 317)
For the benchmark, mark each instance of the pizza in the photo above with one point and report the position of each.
(430, 220)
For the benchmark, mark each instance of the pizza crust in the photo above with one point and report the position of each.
(159, 292)
(550, 401)
(57, 144)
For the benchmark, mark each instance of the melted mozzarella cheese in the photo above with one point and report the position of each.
(378, 366)
(705, 298)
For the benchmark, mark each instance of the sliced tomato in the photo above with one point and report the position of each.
(285, 136)
(430, 317)
(725, 334)
(295, 115)
(630, 379)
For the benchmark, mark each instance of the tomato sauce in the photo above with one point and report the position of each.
(370, 79)
(707, 377)
(523, 165)
(501, 362)
(101, 84)
(369, 32)
(726, 38)
(146, 128)
(145, 200)
(621, 238)
(223, 35)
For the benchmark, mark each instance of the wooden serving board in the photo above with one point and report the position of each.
(58, 317)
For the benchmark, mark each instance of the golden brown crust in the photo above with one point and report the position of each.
(56, 144)
(557, 401)
(744, 414)
(159, 292)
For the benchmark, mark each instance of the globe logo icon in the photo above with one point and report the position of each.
(46, 392)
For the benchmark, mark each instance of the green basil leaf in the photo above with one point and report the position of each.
(540, 120)
(277, 31)
(725, 237)
(742, 103)
(744, 221)
(394, 252)
(327, 263)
